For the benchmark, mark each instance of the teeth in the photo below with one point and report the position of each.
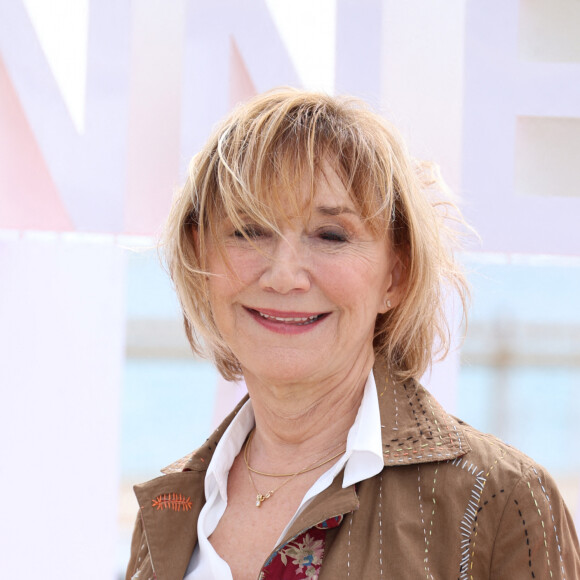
(301, 320)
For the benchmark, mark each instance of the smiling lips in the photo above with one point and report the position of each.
(301, 320)
(285, 321)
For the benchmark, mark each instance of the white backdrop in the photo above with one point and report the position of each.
(101, 106)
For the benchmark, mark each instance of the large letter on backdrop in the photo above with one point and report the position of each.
(511, 104)
(87, 169)
(209, 59)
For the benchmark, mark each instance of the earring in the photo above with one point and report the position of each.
(388, 303)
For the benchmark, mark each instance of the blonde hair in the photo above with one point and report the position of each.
(254, 163)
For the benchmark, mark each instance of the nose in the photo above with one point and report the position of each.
(287, 268)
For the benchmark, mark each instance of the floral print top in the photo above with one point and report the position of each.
(300, 558)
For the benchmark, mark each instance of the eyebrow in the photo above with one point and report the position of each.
(335, 210)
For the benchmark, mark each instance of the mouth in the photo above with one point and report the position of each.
(290, 318)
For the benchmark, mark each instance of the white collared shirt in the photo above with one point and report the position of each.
(363, 459)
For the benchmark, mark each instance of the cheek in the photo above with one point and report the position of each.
(228, 286)
(234, 269)
(356, 285)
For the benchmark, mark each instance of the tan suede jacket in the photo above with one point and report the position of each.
(450, 503)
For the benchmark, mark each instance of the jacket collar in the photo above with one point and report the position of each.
(415, 429)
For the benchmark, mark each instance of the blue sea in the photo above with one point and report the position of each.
(167, 409)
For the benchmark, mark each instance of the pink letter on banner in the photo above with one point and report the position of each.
(28, 196)
(88, 170)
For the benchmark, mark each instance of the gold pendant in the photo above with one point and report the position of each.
(260, 498)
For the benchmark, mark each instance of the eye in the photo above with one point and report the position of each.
(336, 236)
(251, 231)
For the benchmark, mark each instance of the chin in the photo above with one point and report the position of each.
(290, 370)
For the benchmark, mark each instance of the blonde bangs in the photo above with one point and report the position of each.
(275, 151)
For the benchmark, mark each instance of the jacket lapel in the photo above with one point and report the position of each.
(170, 507)
(333, 501)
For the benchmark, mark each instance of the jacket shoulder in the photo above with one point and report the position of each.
(493, 454)
(499, 467)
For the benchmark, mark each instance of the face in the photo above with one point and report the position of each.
(302, 306)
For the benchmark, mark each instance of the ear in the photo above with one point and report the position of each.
(394, 283)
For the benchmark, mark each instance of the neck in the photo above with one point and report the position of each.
(297, 424)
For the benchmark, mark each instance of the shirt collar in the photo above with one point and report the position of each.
(364, 453)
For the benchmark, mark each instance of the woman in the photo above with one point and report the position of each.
(312, 259)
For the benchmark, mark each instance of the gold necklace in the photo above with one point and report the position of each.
(260, 497)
